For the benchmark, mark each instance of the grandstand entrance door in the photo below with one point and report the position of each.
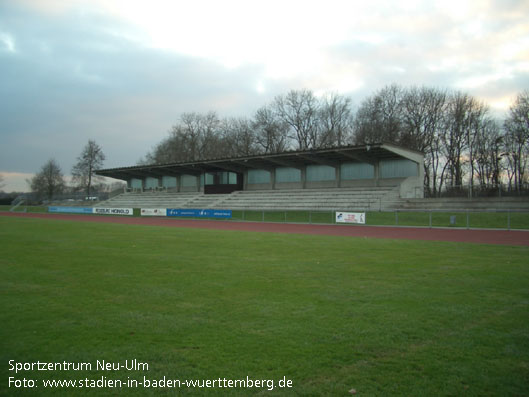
(222, 182)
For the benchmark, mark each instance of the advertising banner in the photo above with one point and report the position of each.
(153, 212)
(113, 211)
(71, 210)
(196, 213)
(351, 217)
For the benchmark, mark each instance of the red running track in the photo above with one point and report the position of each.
(484, 236)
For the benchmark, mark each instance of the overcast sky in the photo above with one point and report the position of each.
(121, 72)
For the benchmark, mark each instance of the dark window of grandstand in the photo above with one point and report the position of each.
(222, 182)
(221, 178)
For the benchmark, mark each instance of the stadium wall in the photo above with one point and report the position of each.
(404, 173)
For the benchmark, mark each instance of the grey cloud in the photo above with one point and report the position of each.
(71, 81)
(73, 77)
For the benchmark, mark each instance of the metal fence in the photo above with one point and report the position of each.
(469, 219)
(447, 218)
(35, 199)
(479, 191)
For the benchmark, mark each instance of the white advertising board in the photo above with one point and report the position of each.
(351, 217)
(154, 212)
(113, 211)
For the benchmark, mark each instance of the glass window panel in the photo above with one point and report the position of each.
(351, 171)
(285, 174)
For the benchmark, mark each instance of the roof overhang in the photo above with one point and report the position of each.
(333, 157)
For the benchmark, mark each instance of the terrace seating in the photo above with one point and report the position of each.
(150, 200)
(365, 198)
(370, 198)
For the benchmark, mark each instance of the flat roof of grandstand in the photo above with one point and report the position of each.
(334, 156)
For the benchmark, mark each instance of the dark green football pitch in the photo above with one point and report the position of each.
(330, 314)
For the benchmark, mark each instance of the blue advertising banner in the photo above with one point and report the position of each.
(71, 210)
(196, 213)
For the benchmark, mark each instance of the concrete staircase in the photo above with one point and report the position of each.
(206, 201)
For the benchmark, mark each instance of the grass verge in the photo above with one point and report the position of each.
(329, 313)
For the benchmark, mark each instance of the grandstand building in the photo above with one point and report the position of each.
(346, 177)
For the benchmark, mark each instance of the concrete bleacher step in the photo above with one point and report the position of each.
(149, 199)
(316, 199)
(294, 199)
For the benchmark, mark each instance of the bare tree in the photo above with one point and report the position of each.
(299, 110)
(454, 138)
(90, 160)
(336, 119)
(517, 140)
(460, 141)
(2, 184)
(202, 132)
(379, 117)
(195, 137)
(422, 115)
(446, 127)
(238, 138)
(49, 181)
(423, 111)
(488, 154)
(171, 149)
(271, 133)
(476, 130)
(434, 162)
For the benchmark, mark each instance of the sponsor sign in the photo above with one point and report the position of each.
(196, 213)
(71, 210)
(351, 217)
(90, 210)
(113, 211)
(153, 212)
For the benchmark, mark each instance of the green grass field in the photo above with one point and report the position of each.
(330, 314)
